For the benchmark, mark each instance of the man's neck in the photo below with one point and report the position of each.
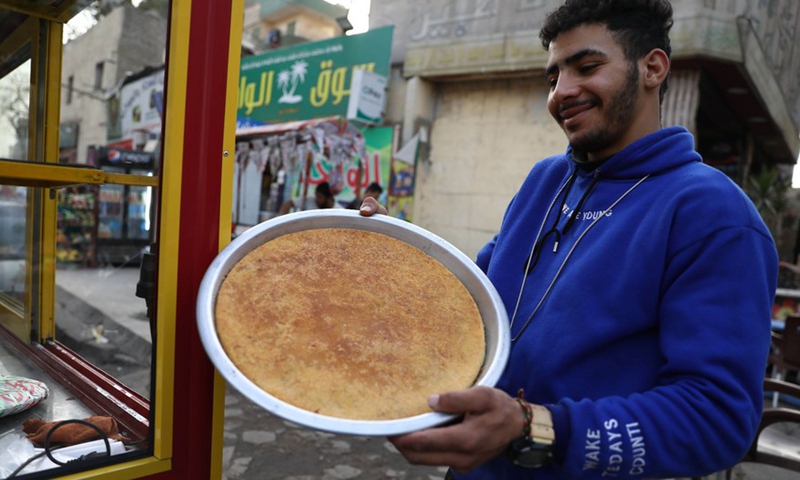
(584, 163)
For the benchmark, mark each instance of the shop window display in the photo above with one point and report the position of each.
(76, 226)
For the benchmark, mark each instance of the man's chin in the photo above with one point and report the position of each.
(575, 133)
(587, 141)
(578, 143)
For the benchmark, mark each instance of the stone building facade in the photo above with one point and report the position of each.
(468, 76)
(270, 24)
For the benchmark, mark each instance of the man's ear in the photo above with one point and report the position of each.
(655, 67)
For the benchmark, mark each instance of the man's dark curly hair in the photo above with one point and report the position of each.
(638, 26)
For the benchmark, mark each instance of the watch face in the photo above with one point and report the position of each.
(524, 453)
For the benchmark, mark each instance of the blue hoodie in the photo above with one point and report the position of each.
(651, 340)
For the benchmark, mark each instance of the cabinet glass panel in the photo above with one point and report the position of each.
(111, 121)
(98, 234)
(15, 89)
(17, 36)
(13, 223)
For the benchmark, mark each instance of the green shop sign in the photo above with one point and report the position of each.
(310, 80)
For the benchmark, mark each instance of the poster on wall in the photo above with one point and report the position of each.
(136, 113)
(400, 203)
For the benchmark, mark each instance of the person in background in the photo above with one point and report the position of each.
(638, 282)
(323, 198)
(374, 190)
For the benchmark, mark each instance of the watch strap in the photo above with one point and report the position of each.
(541, 425)
(534, 448)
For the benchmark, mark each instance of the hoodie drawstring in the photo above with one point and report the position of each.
(577, 209)
(533, 258)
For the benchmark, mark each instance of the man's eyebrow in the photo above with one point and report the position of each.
(574, 58)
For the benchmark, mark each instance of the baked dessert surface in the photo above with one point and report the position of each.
(349, 324)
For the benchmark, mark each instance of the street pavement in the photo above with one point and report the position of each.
(99, 316)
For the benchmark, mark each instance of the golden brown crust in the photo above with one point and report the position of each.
(349, 323)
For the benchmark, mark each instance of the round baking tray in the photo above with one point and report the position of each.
(490, 305)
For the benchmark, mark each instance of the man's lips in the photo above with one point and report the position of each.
(571, 111)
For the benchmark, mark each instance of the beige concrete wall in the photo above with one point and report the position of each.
(454, 37)
(486, 135)
(485, 138)
(395, 97)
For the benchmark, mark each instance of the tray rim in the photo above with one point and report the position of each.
(340, 218)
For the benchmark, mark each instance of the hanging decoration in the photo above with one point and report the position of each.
(296, 157)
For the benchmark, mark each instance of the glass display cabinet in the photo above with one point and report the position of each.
(60, 347)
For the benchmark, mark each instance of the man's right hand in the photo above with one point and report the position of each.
(492, 419)
(370, 207)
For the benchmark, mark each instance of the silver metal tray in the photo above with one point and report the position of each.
(492, 311)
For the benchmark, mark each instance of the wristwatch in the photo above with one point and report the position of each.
(534, 450)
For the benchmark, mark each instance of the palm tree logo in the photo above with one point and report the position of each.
(288, 80)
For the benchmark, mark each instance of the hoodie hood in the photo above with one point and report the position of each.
(655, 153)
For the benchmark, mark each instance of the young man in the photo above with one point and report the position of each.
(323, 198)
(638, 281)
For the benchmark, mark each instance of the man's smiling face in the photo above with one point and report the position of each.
(594, 90)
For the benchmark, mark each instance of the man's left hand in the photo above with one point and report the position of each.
(370, 207)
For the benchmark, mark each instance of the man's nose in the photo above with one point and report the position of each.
(566, 87)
